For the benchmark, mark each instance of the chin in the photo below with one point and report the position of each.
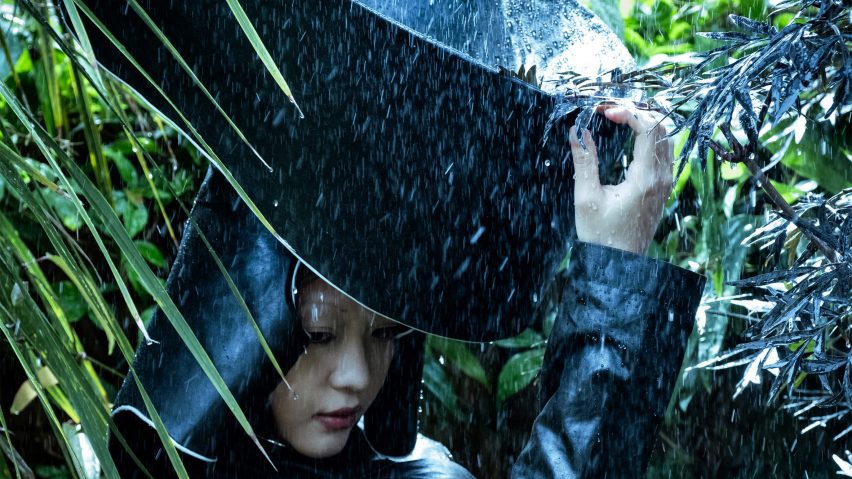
(322, 445)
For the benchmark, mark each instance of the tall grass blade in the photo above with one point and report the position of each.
(186, 68)
(40, 211)
(112, 224)
(261, 50)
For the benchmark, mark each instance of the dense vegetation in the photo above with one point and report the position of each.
(94, 192)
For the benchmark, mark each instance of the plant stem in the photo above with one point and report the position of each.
(743, 155)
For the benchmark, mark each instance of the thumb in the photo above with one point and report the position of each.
(586, 178)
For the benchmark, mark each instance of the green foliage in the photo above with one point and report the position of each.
(518, 372)
(710, 215)
(73, 193)
(93, 189)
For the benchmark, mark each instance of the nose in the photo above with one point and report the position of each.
(352, 371)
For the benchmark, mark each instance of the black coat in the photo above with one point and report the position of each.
(622, 324)
(612, 359)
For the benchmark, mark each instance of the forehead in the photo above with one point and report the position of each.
(313, 291)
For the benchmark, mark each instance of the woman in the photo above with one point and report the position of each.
(530, 201)
(341, 365)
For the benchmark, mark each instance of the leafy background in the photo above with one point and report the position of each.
(74, 288)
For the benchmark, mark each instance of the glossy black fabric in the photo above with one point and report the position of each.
(425, 168)
(621, 329)
(192, 410)
(357, 461)
(185, 399)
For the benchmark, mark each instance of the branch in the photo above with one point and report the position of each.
(744, 155)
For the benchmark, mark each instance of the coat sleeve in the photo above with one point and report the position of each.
(622, 323)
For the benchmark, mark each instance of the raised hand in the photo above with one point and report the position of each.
(623, 216)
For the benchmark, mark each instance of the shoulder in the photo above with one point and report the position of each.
(429, 459)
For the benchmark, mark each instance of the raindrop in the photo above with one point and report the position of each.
(477, 235)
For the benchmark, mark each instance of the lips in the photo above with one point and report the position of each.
(340, 419)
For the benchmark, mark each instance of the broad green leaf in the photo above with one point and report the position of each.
(64, 209)
(527, 339)
(70, 300)
(124, 166)
(151, 253)
(459, 355)
(437, 382)
(518, 372)
(135, 218)
(790, 193)
(733, 171)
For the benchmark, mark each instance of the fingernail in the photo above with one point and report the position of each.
(587, 136)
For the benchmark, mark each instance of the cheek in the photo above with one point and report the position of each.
(381, 358)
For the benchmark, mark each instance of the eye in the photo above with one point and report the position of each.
(319, 337)
(389, 333)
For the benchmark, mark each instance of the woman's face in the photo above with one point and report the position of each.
(338, 377)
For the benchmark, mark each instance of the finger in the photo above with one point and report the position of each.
(652, 151)
(641, 122)
(586, 179)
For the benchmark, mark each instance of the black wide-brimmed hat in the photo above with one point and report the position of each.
(417, 182)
